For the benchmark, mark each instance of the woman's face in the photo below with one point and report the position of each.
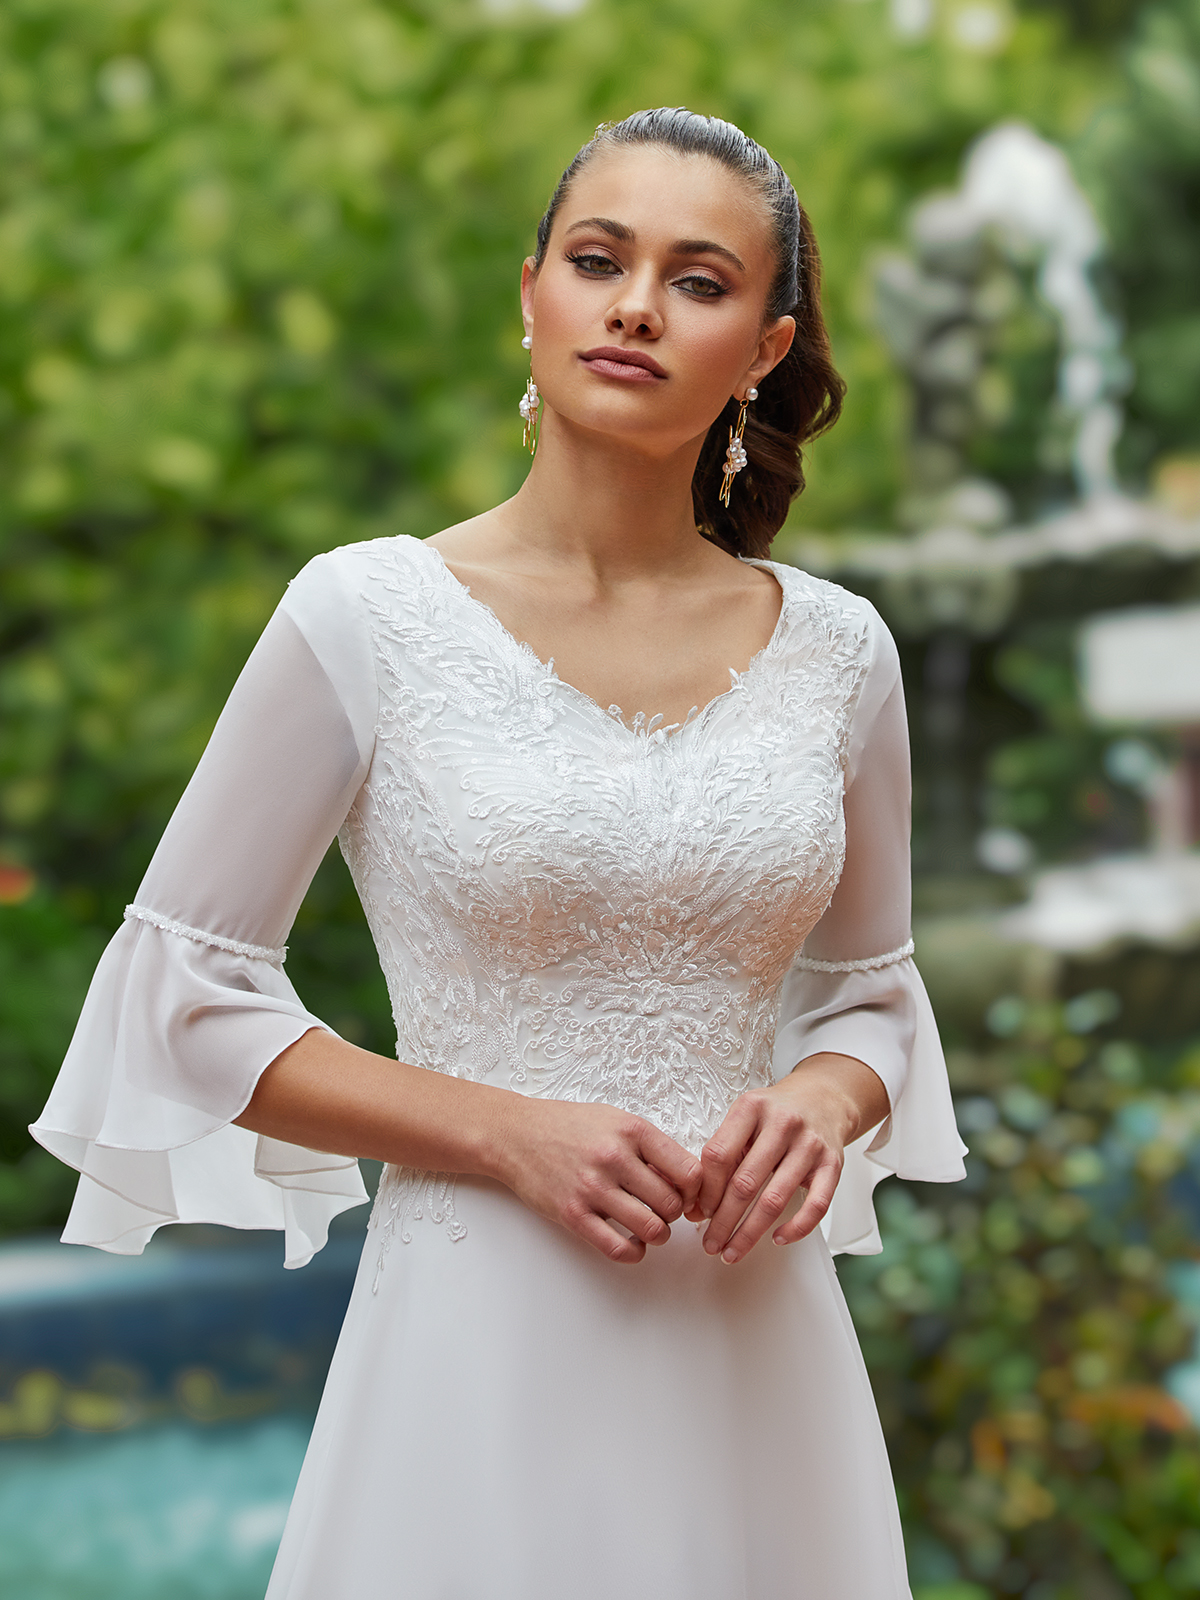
(661, 259)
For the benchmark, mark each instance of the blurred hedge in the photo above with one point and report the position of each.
(1019, 1326)
(258, 272)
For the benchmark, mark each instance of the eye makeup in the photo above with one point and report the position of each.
(701, 285)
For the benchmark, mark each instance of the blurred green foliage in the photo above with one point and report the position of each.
(46, 963)
(1018, 1326)
(1019, 445)
(258, 271)
(1052, 784)
(1141, 159)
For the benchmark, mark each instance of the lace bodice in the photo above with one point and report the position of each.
(579, 908)
(564, 904)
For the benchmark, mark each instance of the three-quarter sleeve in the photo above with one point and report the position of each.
(189, 1002)
(855, 989)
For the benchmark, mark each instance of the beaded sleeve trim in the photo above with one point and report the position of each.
(235, 947)
(867, 964)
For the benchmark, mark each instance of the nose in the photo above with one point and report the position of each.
(635, 312)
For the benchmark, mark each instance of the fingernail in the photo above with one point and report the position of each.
(729, 1257)
(711, 1246)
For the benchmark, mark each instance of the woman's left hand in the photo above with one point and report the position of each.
(777, 1140)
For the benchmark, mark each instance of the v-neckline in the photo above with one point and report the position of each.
(655, 727)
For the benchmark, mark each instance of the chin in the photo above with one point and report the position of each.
(634, 421)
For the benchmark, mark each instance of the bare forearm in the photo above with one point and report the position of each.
(584, 1166)
(856, 1091)
(325, 1094)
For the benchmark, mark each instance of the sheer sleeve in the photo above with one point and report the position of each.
(189, 1002)
(855, 989)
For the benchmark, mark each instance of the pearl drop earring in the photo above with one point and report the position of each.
(530, 403)
(735, 455)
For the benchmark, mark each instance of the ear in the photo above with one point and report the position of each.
(528, 285)
(774, 344)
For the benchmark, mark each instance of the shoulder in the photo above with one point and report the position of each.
(839, 637)
(331, 600)
(345, 574)
(845, 621)
(341, 588)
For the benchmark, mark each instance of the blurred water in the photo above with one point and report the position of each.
(154, 1411)
(173, 1512)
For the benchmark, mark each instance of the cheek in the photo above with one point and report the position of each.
(710, 355)
(567, 310)
(718, 346)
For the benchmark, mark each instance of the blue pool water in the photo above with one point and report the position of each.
(171, 1512)
(154, 1411)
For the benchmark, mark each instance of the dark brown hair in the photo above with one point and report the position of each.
(803, 395)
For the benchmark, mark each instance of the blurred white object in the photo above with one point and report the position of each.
(912, 18)
(1079, 909)
(1004, 850)
(556, 8)
(1142, 665)
(1019, 185)
(1135, 764)
(983, 29)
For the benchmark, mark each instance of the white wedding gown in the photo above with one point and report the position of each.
(568, 906)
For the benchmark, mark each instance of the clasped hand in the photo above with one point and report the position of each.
(589, 1167)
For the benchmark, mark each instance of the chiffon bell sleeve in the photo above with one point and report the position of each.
(189, 1002)
(855, 989)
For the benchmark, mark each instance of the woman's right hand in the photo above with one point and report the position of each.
(588, 1167)
(592, 1168)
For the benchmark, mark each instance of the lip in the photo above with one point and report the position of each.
(617, 362)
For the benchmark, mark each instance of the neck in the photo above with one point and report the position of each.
(620, 513)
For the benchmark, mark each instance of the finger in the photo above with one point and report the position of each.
(821, 1188)
(670, 1160)
(649, 1186)
(602, 1236)
(631, 1213)
(772, 1201)
(720, 1157)
(603, 1194)
(759, 1163)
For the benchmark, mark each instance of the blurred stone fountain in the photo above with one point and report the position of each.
(1138, 668)
(1018, 237)
(1018, 204)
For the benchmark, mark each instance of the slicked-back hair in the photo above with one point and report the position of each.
(802, 396)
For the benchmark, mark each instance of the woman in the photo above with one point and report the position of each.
(626, 806)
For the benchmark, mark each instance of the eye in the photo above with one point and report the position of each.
(593, 263)
(702, 286)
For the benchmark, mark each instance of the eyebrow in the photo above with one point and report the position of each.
(701, 247)
(681, 247)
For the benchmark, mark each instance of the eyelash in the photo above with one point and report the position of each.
(713, 288)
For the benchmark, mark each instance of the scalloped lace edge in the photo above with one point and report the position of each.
(235, 947)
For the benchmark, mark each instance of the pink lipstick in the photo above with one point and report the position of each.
(614, 361)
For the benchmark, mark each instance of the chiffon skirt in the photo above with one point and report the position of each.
(512, 1417)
